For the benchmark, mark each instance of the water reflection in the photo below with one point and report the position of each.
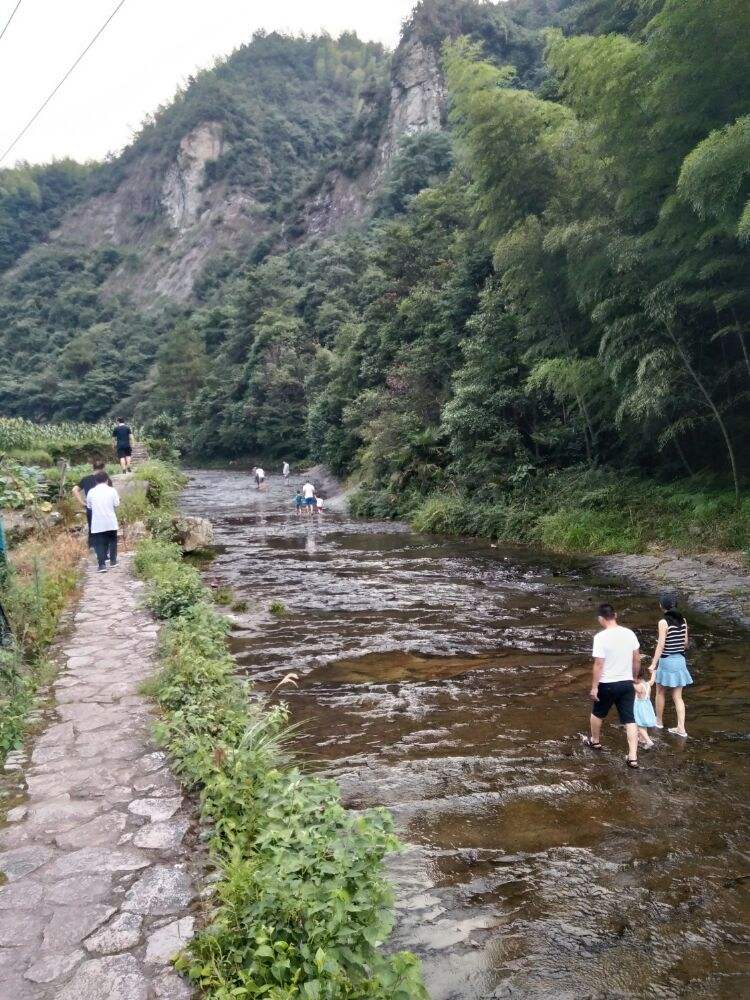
(447, 680)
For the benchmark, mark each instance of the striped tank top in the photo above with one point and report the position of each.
(675, 641)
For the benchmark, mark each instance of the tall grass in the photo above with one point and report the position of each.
(593, 511)
(41, 577)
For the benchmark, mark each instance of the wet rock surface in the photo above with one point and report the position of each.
(710, 583)
(448, 680)
(96, 885)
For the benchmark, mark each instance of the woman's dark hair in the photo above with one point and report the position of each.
(671, 614)
(102, 477)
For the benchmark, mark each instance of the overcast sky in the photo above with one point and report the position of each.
(148, 50)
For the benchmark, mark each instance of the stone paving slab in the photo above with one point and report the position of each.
(97, 892)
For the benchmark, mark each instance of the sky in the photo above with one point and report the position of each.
(149, 49)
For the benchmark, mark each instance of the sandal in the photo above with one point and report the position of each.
(676, 732)
(632, 764)
(588, 742)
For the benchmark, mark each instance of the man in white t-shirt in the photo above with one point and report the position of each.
(260, 477)
(616, 662)
(308, 492)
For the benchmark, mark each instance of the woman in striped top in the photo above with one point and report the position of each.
(669, 663)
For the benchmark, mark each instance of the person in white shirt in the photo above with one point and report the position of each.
(102, 500)
(616, 664)
(308, 492)
(285, 470)
(260, 477)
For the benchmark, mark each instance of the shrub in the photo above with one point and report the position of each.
(164, 482)
(152, 555)
(173, 589)
(32, 456)
(134, 507)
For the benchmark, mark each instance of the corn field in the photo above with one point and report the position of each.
(17, 433)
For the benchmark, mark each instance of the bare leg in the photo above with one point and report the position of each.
(643, 736)
(660, 700)
(123, 463)
(631, 731)
(596, 729)
(679, 705)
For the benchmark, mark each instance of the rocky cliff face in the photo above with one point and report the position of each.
(172, 222)
(417, 105)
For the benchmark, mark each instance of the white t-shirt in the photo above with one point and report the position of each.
(102, 500)
(285, 470)
(308, 491)
(616, 646)
(260, 474)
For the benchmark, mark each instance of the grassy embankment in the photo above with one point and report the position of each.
(302, 905)
(594, 511)
(42, 572)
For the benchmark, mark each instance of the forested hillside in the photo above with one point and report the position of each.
(548, 290)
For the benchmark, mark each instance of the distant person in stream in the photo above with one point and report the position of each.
(81, 491)
(285, 470)
(617, 663)
(124, 444)
(299, 503)
(669, 663)
(102, 501)
(308, 492)
(260, 478)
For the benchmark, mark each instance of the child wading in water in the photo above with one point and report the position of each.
(643, 710)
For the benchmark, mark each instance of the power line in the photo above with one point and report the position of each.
(34, 117)
(7, 23)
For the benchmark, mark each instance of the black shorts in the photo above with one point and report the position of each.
(124, 452)
(619, 693)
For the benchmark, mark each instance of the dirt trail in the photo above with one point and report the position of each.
(97, 892)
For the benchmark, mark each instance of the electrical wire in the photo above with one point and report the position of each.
(7, 23)
(44, 104)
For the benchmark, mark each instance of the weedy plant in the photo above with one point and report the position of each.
(302, 905)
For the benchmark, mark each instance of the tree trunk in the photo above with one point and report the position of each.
(712, 407)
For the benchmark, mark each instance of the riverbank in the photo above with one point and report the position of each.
(685, 537)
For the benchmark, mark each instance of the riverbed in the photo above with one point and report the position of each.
(448, 680)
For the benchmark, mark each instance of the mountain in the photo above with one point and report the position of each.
(514, 248)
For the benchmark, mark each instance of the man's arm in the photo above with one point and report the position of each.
(595, 676)
(636, 662)
(79, 495)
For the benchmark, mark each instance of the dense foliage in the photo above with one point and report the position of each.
(558, 281)
(302, 906)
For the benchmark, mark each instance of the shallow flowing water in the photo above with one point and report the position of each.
(448, 680)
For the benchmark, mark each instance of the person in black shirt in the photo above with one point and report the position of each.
(124, 443)
(86, 484)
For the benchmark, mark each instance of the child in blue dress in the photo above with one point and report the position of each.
(643, 710)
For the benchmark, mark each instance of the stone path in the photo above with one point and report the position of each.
(99, 895)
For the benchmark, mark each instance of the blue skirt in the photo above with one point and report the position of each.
(672, 672)
(644, 712)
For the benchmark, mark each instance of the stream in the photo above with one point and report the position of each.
(448, 680)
